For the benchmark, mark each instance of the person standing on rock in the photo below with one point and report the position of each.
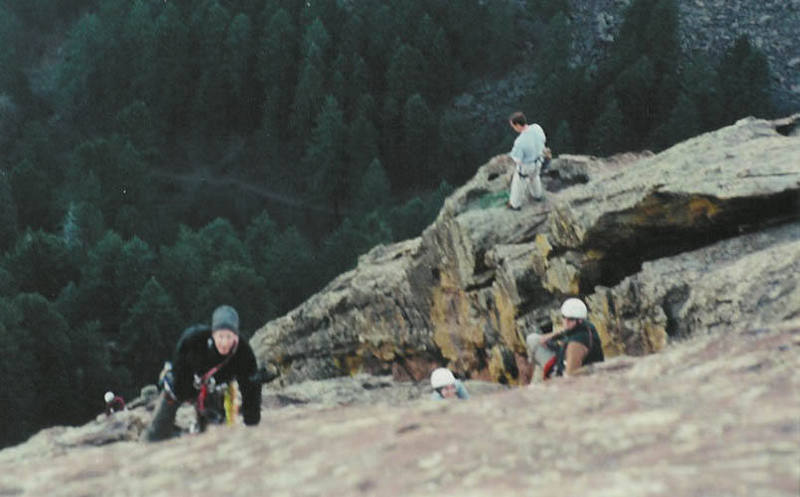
(565, 351)
(446, 386)
(528, 156)
(206, 356)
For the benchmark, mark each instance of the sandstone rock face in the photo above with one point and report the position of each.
(715, 414)
(701, 236)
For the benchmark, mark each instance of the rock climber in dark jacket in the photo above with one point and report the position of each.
(206, 356)
(570, 348)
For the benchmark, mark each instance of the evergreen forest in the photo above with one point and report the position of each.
(161, 157)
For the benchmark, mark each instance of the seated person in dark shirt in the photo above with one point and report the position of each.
(565, 351)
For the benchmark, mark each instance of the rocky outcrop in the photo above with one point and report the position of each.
(711, 415)
(661, 246)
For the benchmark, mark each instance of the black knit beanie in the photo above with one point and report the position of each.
(225, 317)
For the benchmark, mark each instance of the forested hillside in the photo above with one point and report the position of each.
(158, 158)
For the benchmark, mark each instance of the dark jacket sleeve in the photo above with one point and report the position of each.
(246, 368)
(187, 354)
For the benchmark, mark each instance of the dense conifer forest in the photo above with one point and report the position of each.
(161, 157)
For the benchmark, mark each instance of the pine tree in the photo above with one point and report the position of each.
(260, 234)
(743, 82)
(219, 241)
(419, 134)
(171, 81)
(137, 264)
(137, 42)
(98, 371)
(454, 145)
(99, 295)
(31, 190)
(277, 60)
(445, 71)
(316, 39)
(338, 82)
(17, 375)
(684, 122)
(230, 282)
(209, 26)
(406, 72)
(8, 214)
(309, 96)
(40, 262)
(136, 123)
(374, 191)
(379, 22)
(561, 141)
(83, 50)
(608, 134)
(149, 333)
(635, 87)
(54, 366)
(120, 168)
(353, 36)
(498, 47)
(11, 30)
(324, 160)
(408, 220)
(545, 10)
(183, 271)
(351, 239)
(238, 49)
(698, 81)
(291, 274)
(362, 141)
(83, 225)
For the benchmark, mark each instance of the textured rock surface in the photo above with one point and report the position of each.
(745, 281)
(715, 414)
(628, 233)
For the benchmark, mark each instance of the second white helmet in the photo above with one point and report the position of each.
(574, 309)
(441, 377)
(109, 396)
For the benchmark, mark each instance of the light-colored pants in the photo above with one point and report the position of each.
(529, 185)
(538, 352)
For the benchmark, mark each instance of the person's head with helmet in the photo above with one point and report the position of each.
(573, 313)
(114, 402)
(446, 386)
(443, 382)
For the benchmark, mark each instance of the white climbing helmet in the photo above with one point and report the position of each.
(441, 377)
(574, 309)
(109, 396)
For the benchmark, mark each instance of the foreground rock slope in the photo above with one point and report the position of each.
(715, 414)
(703, 236)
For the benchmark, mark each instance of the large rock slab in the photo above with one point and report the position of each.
(715, 186)
(744, 281)
(481, 277)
